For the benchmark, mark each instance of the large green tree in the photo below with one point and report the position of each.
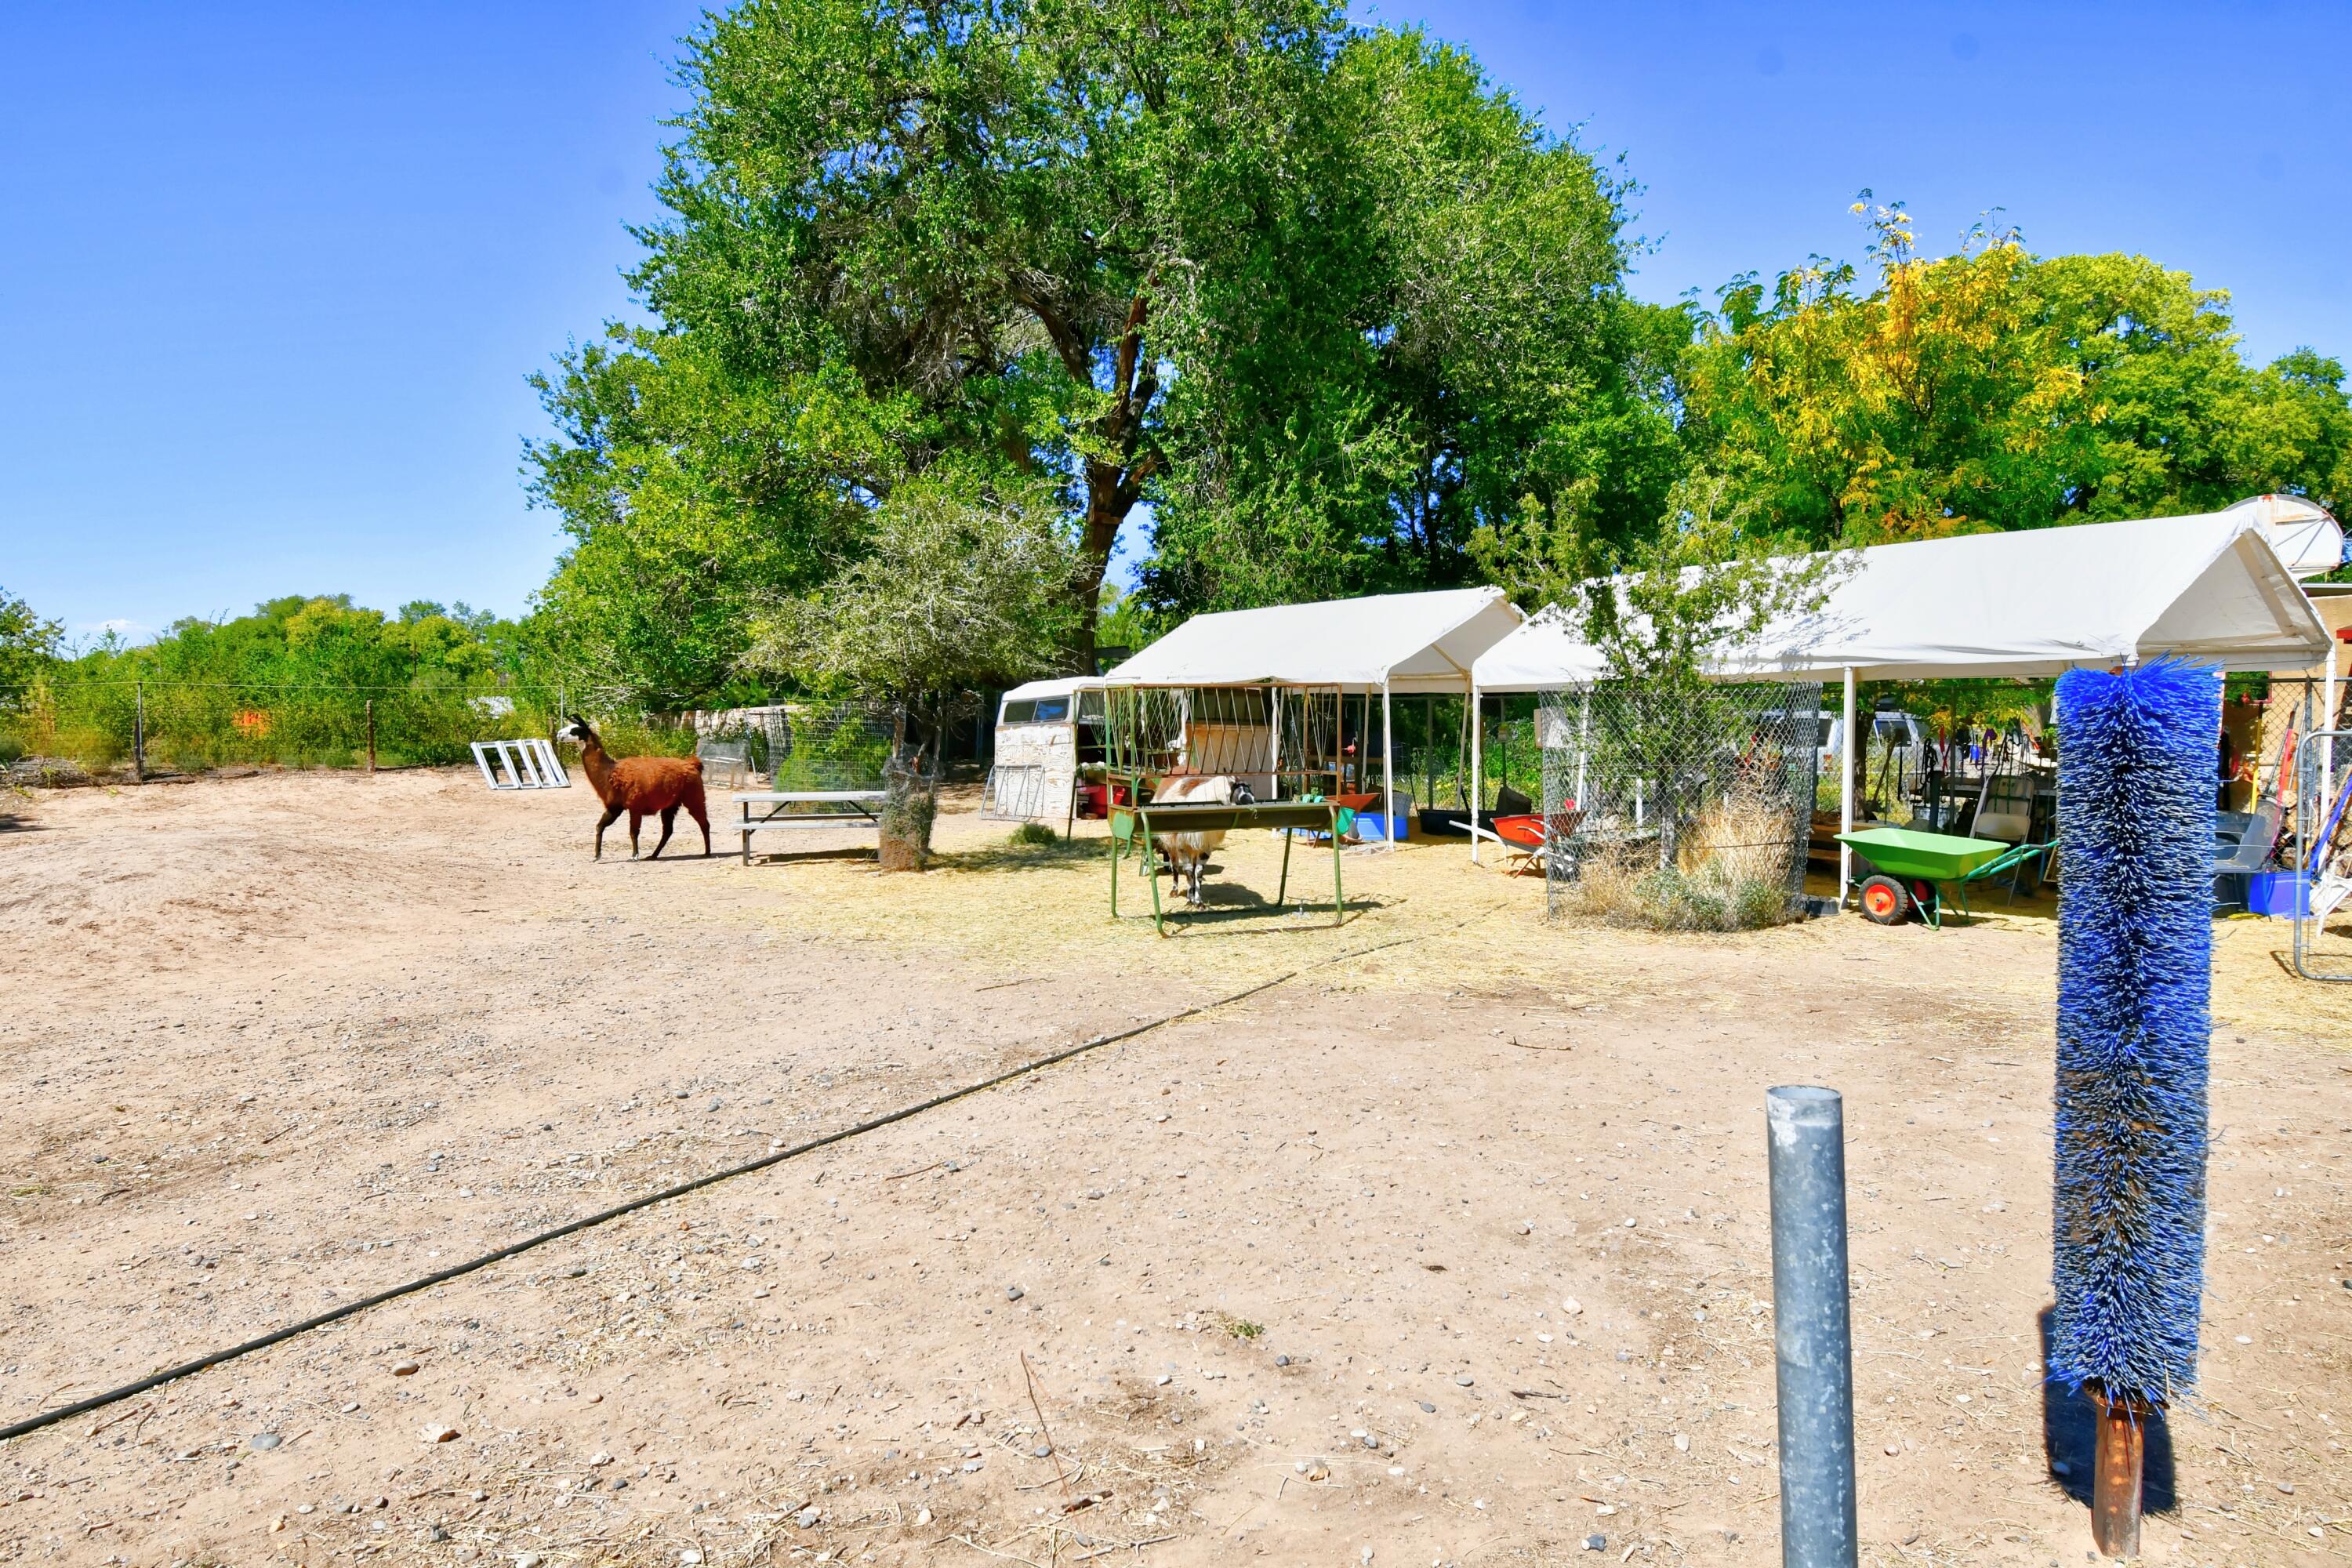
(899, 231)
(28, 645)
(1323, 298)
(1484, 354)
(1996, 389)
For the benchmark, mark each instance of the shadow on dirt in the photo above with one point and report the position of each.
(2070, 1437)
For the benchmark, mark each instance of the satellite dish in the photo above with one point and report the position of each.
(2307, 540)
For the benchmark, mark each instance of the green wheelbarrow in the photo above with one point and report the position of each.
(1909, 870)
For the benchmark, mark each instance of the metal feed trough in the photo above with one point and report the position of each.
(1282, 743)
(520, 764)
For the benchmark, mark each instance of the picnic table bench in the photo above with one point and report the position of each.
(850, 807)
(1133, 826)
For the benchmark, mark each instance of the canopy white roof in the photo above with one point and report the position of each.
(2029, 603)
(1059, 685)
(1406, 642)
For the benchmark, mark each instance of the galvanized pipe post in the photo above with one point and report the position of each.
(1812, 1330)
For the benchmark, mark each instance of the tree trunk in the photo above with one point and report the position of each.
(1109, 497)
(909, 803)
(1112, 486)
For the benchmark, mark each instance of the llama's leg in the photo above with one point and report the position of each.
(612, 815)
(696, 809)
(636, 820)
(670, 820)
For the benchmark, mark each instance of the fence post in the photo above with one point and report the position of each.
(1811, 1329)
(371, 736)
(139, 731)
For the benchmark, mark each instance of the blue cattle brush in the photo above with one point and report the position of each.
(2136, 800)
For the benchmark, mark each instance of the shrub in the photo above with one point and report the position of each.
(1732, 874)
(1036, 833)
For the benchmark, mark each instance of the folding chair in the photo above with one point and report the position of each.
(2245, 855)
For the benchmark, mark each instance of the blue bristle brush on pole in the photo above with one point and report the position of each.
(2135, 805)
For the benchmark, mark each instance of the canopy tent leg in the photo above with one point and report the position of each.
(1274, 759)
(1845, 791)
(1388, 764)
(1583, 744)
(1477, 767)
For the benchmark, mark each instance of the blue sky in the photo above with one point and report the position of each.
(274, 273)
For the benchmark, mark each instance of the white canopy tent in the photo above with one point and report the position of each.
(2210, 587)
(1415, 644)
(1395, 642)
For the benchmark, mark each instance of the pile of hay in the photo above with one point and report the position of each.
(1732, 872)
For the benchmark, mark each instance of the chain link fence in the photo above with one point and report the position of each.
(1687, 811)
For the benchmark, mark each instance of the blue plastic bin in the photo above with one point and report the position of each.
(2273, 893)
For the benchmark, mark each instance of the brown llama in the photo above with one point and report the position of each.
(640, 786)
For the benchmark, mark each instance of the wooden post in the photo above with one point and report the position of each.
(139, 731)
(2116, 1475)
(371, 736)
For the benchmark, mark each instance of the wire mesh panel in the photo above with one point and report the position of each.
(829, 743)
(2322, 884)
(726, 764)
(1681, 810)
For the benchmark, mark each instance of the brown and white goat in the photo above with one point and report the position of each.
(642, 786)
(1187, 854)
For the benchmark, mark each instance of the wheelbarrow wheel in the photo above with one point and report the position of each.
(1885, 901)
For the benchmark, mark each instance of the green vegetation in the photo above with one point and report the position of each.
(1035, 835)
(946, 300)
(1321, 295)
(293, 684)
(28, 647)
(1344, 315)
(1995, 389)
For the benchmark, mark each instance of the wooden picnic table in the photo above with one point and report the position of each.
(857, 810)
(1135, 825)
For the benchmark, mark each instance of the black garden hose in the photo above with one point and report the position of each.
(115, 1395)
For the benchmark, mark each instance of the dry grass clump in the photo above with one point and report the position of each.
(1731, 873)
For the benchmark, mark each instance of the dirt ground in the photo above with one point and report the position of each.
(1449, 1246)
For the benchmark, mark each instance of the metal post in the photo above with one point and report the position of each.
(1845, 791)
(139, 731)
(2328, 720)
(1583, 747)
(1428, 750)
(1477, 765)
(1387, 766)
(1813, 1332)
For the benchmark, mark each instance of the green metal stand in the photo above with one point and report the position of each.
(1134, 826)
